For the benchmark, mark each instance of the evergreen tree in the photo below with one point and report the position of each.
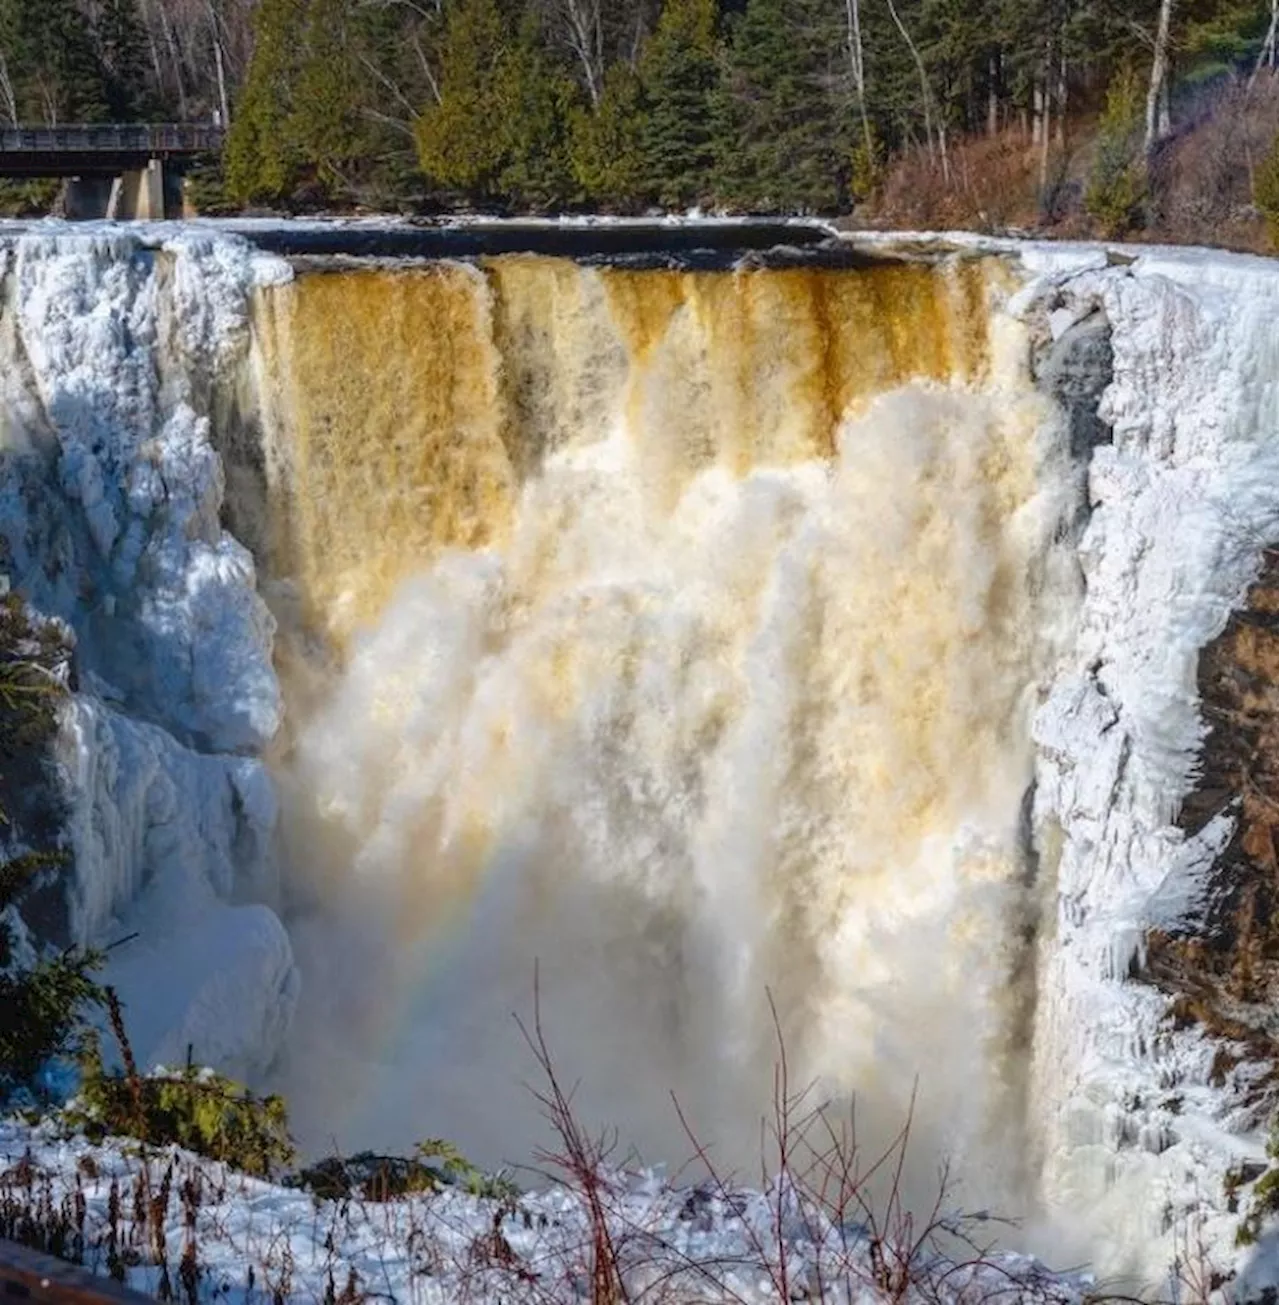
(607, 145)
(327, 126)
(678, 73)
(122, 52)
(308, 119)
(500, 130)
(51, 64)
(893, 87)
(460, 138)
(782, 136)
(261, 160)
(536, 101)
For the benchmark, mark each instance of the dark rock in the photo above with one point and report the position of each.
(1074, 371)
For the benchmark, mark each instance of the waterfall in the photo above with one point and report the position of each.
(406, 407)
(691, 629)
(722, 643)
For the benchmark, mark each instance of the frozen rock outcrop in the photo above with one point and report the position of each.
(112, 346)
(1137, 1129)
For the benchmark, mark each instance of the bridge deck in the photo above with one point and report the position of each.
(88, 149)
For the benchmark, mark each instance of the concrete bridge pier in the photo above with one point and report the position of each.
(138, 193)
(143, 194)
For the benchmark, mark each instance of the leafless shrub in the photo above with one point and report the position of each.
(826, 1221)
(1203, 176)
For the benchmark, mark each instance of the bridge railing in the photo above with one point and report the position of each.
(110, 137)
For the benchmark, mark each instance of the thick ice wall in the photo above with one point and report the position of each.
(1136, 1138)
(109, 516)
(110, 347)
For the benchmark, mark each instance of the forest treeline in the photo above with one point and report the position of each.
(799, 106)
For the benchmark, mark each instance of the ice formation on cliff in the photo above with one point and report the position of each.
(109, 516)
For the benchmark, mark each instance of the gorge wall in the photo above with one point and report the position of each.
(831, 632)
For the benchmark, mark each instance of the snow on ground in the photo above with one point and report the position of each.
(255, 1242)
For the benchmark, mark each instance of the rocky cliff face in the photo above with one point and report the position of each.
(1219, 966)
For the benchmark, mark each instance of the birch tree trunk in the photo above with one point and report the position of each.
(175, 58)
(585, 34)
(925, 97)
(854, 33)
(6, 89)
(1267, 55)
(224, 103)
(1159, 68)
(1062, 95)
(993, 96)
(1046, 101)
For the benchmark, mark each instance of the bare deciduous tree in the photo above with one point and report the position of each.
(926, 95)
(199, 52)
(583, 32)
(1267, 55)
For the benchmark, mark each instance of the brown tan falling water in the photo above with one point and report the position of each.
(406, 406)
(688, 623)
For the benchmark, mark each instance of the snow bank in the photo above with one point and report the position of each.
(253, 1242)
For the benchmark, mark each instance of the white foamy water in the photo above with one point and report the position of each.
(774, 738)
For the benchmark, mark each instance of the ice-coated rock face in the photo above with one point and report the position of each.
(110, 349)
(1136, 1135)
(110, 494)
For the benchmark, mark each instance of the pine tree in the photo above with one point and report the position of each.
(678, 74)
(536, 101)
(122, 53)
(460, 139)
(782, 137)
(501, 128)
(326, 125)
(51, 62)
